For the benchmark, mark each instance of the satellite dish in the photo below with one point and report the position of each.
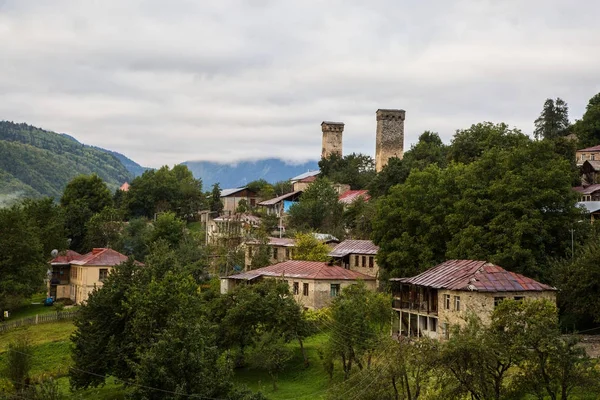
(54, 253)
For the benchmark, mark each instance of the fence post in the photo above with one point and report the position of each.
(37, 318)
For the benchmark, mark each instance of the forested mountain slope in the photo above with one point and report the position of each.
(35, 162)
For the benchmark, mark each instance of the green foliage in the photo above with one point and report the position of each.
(318, 210)
(271, 354)
(356, 170)
(169, 228)
(165, 189)
(309, 248)
(358, 219)
(48, 220)
(38, 163)
(261, 254)
(263, 188)
(469, 144)
(18, 364)
(553, 121)
(214, 203)
(136, 236)
(510, 206)
(104, 229)
(395, 172)
(22, 267)
(243, 206)
(83, 197)
(587, 128)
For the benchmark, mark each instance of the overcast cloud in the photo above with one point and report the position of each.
(168, 81)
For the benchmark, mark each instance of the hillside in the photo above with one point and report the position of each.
(237, 175)
(35, 162)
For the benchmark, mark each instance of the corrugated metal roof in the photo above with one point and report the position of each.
(593, 163)
(305, 175)
(590, 206)
(354, 247)
(304, 270)
(276, 200)
(229, 192)
(275, 241)
(474, 275)
(325, 237)
(587, 189)
(247, 218)
(101, 257)
(350, 196)
(124, 187)
(594, 148)
(66, 258)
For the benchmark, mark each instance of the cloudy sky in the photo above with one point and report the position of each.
(169, 81)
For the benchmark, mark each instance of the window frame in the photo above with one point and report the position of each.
(371, 262)
(447, 302)
(456, 303)
(100, 273)
(498, 300)
(275, 253)
(305, 289)
(334, 289)
(296, 288)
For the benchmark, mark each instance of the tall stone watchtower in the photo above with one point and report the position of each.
(332, 138)
(389, 141)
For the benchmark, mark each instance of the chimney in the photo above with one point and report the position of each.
(332, 138)
(389, 141)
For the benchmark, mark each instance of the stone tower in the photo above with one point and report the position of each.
(332, 138)
(389, 141)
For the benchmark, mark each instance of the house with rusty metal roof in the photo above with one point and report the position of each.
(589, 192)
(74, 276)
(312, 283)
(589, 153)
(231, 198)
(357, 255)
(350, 196)
(429, 303)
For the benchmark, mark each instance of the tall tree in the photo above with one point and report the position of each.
(215, 203)
(553, 121)
(309, 248)
(356, 170)
(588, 127)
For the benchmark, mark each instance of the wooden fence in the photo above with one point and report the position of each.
(38, 319)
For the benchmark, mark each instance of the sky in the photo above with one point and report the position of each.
(170, 81)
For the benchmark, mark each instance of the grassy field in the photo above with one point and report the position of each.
(30, 308)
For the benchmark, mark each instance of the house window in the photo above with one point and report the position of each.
(371, 262)
(296, 287)
(102, 274)
(447, 301)
(252, 202)
(275, 252)
(287, 254)
(456, 303)
(305, 289)
(357, 261)
(446, 330)
(433, 324)
(334, 290)
(498, 300)
(519, 298)
(593, 157)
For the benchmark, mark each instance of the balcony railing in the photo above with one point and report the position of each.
(414, 306)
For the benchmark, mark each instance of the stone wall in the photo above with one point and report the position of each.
(332, 138)
(367, 270)
(283, 253)
(389, 141)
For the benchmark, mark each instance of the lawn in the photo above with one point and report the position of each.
(31, 307)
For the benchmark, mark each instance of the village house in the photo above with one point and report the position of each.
(350, 196)
(229, 228)
(312, 283)
(588, 193)
(592, 208)
(590, 153)
(589, 172)
(357, 255)
(301, 182)
(279, 206)
(280, 249)
(429, 303)
(231, 198)
(74, 276)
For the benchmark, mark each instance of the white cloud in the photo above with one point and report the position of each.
(165, 82)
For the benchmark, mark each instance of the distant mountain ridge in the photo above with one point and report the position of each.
(241, 173)
(35, 162)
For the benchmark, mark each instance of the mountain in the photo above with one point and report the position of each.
(35, 162)
(238, 175)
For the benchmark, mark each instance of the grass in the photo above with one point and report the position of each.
(29, 309)
(296, 381)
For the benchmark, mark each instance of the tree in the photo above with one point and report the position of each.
(271, 353)
(358, 218)
(309, 248)
(395, 172)
(553, 121)
(136, 238)
(49, 222)
(469, 144)
(22, 266)
(243, 206)
(215, 203)
(104, 229)
(318, 209)
(18, 364)
(169, 228)
(587, 128)
(356, 170)
(83, 197)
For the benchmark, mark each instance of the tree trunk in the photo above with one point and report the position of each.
(395, 388)
(304, 355)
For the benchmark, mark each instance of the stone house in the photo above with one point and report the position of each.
(588, 193)
(312, 283)
(301, 182)
(590, 153)
(590, 172)
(429, 303)
(74, 276)
(231, 198)
(357, 255)
(230, 228)
(280, 249)
(279, 206)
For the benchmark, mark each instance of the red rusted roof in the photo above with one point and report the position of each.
(101, 257)
(308, 179)
(594, 148)
(66, 257)
(348, 197)
(124, 187)
(304, 270)
(587, 189)
(354, 247)
(479, 276)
